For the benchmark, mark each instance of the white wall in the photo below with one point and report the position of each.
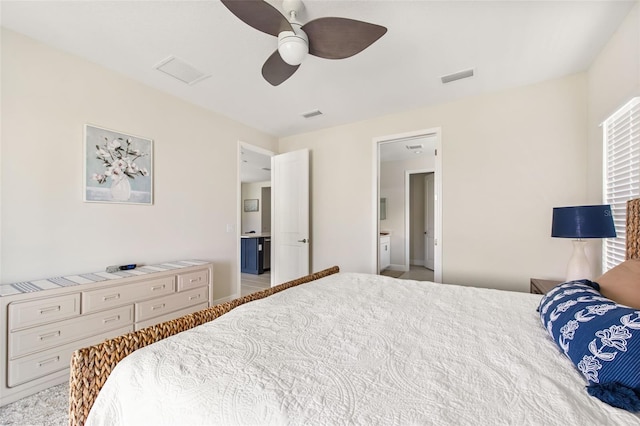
(252, 221)
(508, 158)
(392, 188)
(417, 226)
(613, 79)
(46, 229)
(265, 210)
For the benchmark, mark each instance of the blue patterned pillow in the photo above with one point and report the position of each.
(601, 338)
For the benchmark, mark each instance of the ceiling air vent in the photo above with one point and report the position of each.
(419, 146)
(311, 114)
(457, 76)
(181, 70)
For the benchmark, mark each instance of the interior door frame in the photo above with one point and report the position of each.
(375, 205)
(241, 146)
(429, 204)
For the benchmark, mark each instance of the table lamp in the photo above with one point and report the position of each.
(582, 222)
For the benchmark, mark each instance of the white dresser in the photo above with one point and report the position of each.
(44, 321)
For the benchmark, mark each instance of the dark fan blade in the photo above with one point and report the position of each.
(276, 71)
(339, 38)
(260, 15)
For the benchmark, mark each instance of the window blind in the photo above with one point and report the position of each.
(621, 134)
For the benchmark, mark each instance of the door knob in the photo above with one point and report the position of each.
(304, 240)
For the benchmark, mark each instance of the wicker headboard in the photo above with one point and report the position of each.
(91, 366)
(633, 229)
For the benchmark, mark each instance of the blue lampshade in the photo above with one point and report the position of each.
(583, 222)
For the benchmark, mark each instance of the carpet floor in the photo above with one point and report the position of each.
(49, 407)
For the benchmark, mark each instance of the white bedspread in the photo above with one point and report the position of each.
(363, 350)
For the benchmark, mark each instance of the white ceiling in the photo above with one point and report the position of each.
(255, 167)
(508, 43)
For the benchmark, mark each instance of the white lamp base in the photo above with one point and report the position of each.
(578, 267)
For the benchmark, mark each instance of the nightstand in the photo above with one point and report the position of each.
(540, 286)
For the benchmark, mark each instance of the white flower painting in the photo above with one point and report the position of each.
(118, 167)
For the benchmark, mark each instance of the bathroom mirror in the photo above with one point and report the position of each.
(383, 208)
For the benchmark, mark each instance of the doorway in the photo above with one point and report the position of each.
(397, 159)
(273, 190)
(254, 219)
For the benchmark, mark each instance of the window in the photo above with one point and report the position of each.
(621, 157)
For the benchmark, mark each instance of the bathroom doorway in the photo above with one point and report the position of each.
(398, 157)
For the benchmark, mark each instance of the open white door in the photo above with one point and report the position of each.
(290, 216)
(429, 225)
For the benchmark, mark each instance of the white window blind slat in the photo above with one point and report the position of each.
(616, 187)
(625, 125)
(624, 155)
(621, 183)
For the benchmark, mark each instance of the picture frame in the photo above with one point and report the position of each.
(251, 205)
(118, 167)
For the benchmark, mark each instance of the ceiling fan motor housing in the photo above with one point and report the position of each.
(293, 46)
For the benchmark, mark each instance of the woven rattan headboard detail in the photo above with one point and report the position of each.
(633, 229)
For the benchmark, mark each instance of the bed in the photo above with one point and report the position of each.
(347, 348)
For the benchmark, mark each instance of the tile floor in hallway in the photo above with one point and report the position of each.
(251, 283)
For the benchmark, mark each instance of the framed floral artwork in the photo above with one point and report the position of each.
(118, 167)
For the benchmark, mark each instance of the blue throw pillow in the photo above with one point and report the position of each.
(601, 338)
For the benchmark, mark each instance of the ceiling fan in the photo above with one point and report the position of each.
(329, 38)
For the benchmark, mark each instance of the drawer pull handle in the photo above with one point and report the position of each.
(112, 297)
(50, 309)
(49, 335)
(194, 297)
(160, 306)
(193, 280)
(48, 361)
(112, 319)
(157, 287)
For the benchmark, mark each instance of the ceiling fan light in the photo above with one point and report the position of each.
(293, 47)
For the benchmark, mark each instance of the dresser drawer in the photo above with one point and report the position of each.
(193, 280)
(170, 316)
(48, 336)
(96, 300)
(25, 314)
(157, 307)
(40, 364)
